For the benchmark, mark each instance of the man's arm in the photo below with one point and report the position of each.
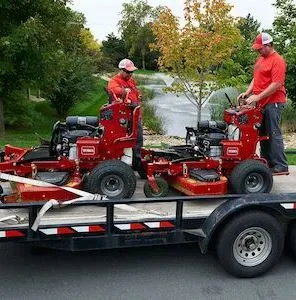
(271, 89)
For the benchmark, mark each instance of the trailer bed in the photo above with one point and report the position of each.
(146, 211)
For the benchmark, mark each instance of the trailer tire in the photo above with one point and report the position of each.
(250, 244)
(112, 178)
(162, 185)
(251, 176)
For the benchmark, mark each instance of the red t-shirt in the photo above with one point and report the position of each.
(267, 70)
(117, 83)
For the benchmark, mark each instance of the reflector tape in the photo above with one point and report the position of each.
(101, 228)
(11, 234)
(289, 205)
(161, 224)
(131, 226)
(72, 230)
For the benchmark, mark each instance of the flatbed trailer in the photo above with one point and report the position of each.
(247, 231)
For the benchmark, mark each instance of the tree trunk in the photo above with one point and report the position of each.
(198, 112)
(2, 126)
(143, 60)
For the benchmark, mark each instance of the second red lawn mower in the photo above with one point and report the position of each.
(219, 157)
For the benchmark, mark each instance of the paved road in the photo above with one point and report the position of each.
(170, 272)
(175, 272)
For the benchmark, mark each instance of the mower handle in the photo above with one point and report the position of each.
(229, 100)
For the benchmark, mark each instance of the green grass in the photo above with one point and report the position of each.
(291, 157)
(45, 116)
(26, 139)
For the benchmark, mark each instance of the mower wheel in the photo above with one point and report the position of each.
(251, 176)
(163, 187)
(112, 178)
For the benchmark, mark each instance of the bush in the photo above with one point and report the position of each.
(150, 119)
(288, 118)
(19, 112)
(218, 102)
(76, 80)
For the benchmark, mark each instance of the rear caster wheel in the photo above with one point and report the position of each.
(162, 186)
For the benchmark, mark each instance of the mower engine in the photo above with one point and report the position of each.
(66, 134)
(207, 137)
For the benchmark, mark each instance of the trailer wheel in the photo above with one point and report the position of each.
(112, 178)
(250, 244)
(162, 185)
(251, 176)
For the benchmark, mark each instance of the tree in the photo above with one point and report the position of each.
(135, 28)
(34, 36)
(238, 69)
(284, 27)
(114, 49)
(194, 52)
(75, 80)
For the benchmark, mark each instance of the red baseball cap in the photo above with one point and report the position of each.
(262, 39)
(127, 64)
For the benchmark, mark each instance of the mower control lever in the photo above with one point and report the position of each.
(229, 100)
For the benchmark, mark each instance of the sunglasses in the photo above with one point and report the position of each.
(127, 72)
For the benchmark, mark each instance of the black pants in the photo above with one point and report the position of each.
(139, 145)
(273, 148)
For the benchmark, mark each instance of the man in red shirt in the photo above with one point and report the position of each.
(268, 91)
(124, 86)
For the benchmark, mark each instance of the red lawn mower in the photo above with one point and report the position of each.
(219, 157)
(89, 153)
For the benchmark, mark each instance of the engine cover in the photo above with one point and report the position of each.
(212, 139)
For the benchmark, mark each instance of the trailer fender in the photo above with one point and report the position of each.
(275, 204)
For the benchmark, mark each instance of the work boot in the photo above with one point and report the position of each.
(279, 170)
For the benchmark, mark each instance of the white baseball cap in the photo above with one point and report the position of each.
(127, 64)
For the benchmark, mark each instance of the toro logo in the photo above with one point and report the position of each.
(88, 150)
(232, 151)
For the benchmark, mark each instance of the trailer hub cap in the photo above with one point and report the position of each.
(252, 246)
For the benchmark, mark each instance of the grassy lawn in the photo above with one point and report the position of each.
(291, 158)
(45, 116)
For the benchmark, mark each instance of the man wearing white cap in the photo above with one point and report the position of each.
(268, 91)
(123, 85)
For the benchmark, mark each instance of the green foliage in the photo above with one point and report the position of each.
(238, 70)
(136, 32)
(285, 39)
(90, 104)
(150, 119)
(218, 102)
(34, 37)
(114, 49)
(288, 118)
(76, 79)
(19, 113)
